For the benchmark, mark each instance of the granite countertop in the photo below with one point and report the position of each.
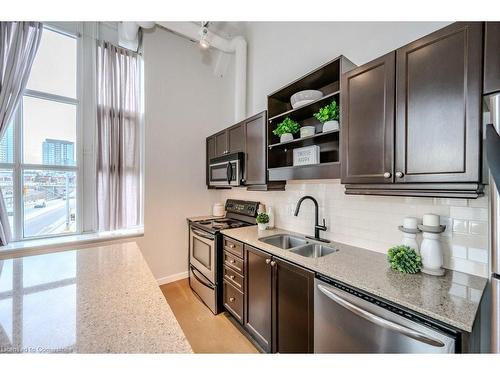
(201, 218)
(452, 299)
(94, 300)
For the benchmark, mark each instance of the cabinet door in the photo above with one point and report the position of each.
(255, 158)
(221, 143)
(294, 295)
(438, 106)
(236, 138)
(492, 57)
(367, 130)
(210, 153)
(258, 296)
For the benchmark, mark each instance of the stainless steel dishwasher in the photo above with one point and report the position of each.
(348, 321)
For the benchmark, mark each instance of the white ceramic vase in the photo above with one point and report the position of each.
(286, 137)
(432, 254)
(330, 126)
(307, 131)
(262, 226)
(410, 240)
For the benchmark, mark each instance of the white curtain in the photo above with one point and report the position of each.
(19, 42)
(118, 137)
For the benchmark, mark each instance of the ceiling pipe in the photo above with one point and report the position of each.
(236, 45)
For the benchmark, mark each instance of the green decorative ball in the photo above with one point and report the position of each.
(404, 259)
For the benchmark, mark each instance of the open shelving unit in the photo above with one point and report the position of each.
(326, 79)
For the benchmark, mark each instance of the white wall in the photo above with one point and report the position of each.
(184, 103)
(280, 52)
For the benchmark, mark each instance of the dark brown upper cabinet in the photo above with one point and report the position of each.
(221, 143)
(438, 106)
(491, 57)
(248, 137)
(236, 138)
(255, 157)
(280, 162)
(430, 109)
(210, 152)
(367, 153)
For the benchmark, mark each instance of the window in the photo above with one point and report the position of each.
(39, 162)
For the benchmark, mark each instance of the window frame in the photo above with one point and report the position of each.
(18, 166)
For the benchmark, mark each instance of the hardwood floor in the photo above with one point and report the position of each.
(207, 333)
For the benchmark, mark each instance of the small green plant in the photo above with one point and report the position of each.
(404, 259)
(286, 126)
(262, 218)
(328, 113)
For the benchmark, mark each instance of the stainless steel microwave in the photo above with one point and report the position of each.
(226, 170)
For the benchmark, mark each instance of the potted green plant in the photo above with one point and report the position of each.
(262, 220)
(285, 129)
(404, 259)
(329, 116)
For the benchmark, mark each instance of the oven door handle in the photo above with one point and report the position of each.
(199, 233)
(229, 172)
(375, 319)
(193, 271)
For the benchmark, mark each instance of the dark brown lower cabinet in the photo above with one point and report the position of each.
(258, 296)
(278, 303)
(294, 296)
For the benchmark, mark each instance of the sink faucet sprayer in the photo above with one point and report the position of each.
(317, 227)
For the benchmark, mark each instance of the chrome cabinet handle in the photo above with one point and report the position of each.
(387, 175)
(232, 261)
(231, 245)
(268, 261)
(399, 174)
(329, 292)
(273, 263)
(231, 277)
(231, 299)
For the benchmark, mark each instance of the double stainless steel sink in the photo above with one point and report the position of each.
(298, 245)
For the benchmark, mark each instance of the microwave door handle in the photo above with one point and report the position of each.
(375, 319)
(493, 152)
(229, 171)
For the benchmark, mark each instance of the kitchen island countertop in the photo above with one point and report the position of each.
(93, 300)
(452, 299)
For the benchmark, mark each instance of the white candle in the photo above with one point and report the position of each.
(410, 223)
(431, 220)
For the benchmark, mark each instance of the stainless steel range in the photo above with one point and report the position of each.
(205, 250)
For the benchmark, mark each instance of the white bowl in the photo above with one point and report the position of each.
(304, 97)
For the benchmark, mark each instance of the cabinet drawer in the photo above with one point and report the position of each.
(234, 278)
(233, 246)
(233, 301)
(233, 262)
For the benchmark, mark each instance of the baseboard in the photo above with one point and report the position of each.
(172, 278)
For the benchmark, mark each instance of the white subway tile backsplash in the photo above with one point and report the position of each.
(371, 221)
(460, 226)
(469, 213)
(478, 227)
(478, 255)
(458, 251)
